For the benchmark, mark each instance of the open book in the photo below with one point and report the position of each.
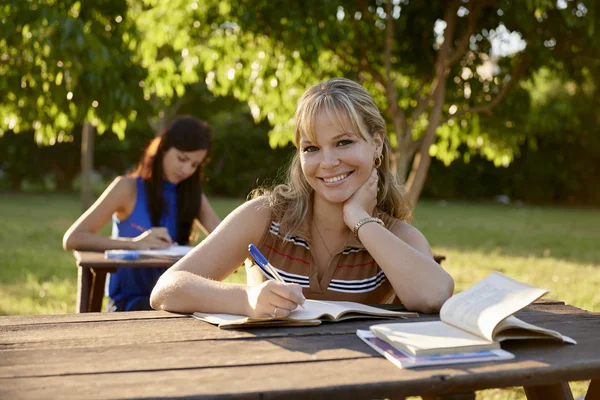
(476, 319)
(314, 312)
(172, 252)
(402, 359)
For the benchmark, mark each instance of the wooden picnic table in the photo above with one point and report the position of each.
(92, 268)
(152, 354)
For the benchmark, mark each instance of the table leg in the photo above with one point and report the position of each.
(450, 396)
(97, 290)
(84, 284)
(559, 391)
(593, 392)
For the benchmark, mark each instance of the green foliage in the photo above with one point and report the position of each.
(242, 158)
(557, 160)
(64, 62)
(258, 41)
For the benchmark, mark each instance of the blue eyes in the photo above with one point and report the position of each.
(341, 143)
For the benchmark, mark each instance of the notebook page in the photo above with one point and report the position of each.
(173, 251)
(481, 307)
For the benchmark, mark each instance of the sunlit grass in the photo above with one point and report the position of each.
(550, 247)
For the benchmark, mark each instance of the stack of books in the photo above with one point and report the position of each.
(472, 325)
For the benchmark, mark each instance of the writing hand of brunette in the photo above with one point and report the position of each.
(155, 238)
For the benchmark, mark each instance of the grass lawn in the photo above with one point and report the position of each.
(553, 248)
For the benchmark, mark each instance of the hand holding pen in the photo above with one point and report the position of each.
(283, 299)
(153, 238)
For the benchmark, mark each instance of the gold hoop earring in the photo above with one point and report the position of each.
(378, 161)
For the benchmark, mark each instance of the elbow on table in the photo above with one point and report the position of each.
(67, 242)
(432, 300)
(427, 306)
(158, 297)
(167, 293)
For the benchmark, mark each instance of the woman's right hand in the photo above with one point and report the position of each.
(273, 299)
(155, 238)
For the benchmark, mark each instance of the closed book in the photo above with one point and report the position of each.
(402, 359)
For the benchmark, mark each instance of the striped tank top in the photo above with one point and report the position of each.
(352, 275)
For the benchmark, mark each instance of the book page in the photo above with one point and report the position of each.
(430, 337)
(337, 310)
(481, 307)
(313, 310)
(173, 251)
(217, 319)
(514, 328)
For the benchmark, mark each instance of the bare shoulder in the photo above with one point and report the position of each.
(124, 184)
(256, 210)
(122, 191)
(227, 246)
(411, 235)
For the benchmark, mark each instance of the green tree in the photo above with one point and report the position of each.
(438, 70)
(171, 38)
(64, 62)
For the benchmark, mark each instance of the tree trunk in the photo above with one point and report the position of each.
(422, 160)
(402, 158)
(416, 181)
(87, 164)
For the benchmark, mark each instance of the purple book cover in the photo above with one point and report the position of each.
(404, 360)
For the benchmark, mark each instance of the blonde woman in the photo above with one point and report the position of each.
(337, 230)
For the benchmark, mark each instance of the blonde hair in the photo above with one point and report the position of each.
(343, 100)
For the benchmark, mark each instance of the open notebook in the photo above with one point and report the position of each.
(314, 312)
(476, 319)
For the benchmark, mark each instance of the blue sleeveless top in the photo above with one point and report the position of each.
(134, 284)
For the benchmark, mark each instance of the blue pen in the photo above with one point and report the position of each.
(262, 261)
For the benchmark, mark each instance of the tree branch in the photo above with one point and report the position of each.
(441, 62)
(475, 9)
(397, 113)
(515, 74)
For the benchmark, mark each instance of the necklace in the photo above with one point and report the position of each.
(323, 240)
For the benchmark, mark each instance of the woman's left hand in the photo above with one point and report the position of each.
(362, 203)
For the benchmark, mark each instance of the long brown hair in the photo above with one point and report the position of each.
(343, 100)
(185, 133)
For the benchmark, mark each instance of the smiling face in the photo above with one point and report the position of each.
(179, 165)
(341, 160)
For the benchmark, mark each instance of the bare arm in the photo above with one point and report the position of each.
(192, 284)
(119, 197)
(82, 235)
(209, 220)
(405, 257)
(402, 253)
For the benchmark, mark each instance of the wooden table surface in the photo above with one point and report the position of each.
(158, 354)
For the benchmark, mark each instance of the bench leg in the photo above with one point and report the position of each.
(97, 290)
(593, 392)
(84, 285)
(559, 391)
